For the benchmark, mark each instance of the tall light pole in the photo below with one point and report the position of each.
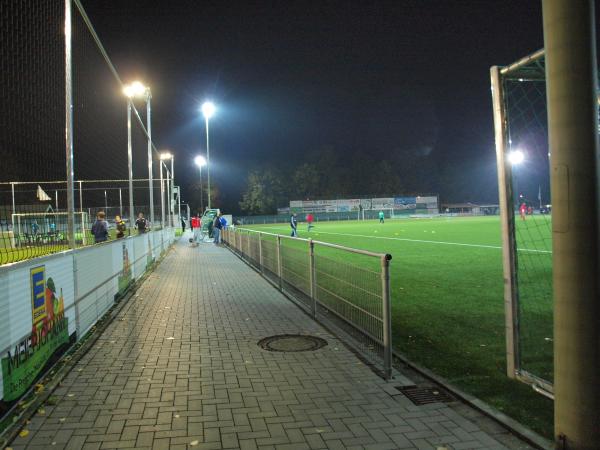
(200, 161)
(165, 156)
(208, 110)
(137, 89)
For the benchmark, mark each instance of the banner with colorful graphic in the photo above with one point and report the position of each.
(43, 331)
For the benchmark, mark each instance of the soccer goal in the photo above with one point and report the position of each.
(36, 229)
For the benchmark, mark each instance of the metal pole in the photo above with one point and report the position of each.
(571, 73)
(507, 220)
(168, 180)
(386, 316)
(130, 167)
(105, 203)
(279, 265)
(207, 163)
(162, 195)
(69, 127)
(179, 203)
(149, 127)
(56, 199)
(80, 197)
(260, 253)
(120, 203)
(12, 188)
(201, 193)
(171, 204)
(312, 278)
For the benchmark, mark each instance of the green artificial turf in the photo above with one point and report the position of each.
(447, 298)
(34, 250)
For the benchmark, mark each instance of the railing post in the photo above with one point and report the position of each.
(248, 245)
(279, 271)
(312, 277)
(386, 316)
(260, 253)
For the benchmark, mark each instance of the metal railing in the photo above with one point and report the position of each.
(348, 287)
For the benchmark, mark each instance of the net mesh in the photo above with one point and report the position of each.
(527, 131)
(32, 129)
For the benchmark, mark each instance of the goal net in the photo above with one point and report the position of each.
(38, 229)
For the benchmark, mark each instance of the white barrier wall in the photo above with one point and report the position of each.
(46, 302)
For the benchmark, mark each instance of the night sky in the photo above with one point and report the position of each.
(291, 78)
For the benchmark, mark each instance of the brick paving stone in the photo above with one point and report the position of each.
(180, 365)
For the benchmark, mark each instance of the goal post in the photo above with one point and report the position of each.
(42, 228)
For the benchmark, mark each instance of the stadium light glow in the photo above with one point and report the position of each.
(208, 109)
(516, 157)
(165, 155)
(135, 89)
(200, 161)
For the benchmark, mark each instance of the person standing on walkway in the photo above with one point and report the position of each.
(195, 224)
(294, 225)
(121, 227)
(381, 217)
(182, 225)
(141, 224)
(100, 228)
(217, 226)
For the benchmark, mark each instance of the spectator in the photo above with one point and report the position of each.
(141, 224)
(196, 225)
(224, 222)
(217, 226)
(294, 225)
(121, 227)
(100, 228)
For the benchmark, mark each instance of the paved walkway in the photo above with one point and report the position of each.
(179, 368)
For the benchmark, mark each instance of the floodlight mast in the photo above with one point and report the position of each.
(208, 110)
(200, 162)
(138, 89)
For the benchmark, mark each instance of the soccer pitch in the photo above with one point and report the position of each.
(448, 305)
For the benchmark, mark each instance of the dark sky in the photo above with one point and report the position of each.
(291, 77)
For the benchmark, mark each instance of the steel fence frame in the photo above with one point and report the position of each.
(254, 246)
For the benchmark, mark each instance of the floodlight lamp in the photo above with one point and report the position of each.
(516, 157)
(165, 155)
(200, 161)
(135, 89)
(208, 109)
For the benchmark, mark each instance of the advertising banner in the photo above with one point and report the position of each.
(348, 205)
(122, 254)
(403, 203)
(383, 203)
(38, 319)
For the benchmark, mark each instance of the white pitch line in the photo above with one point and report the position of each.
(497, 247)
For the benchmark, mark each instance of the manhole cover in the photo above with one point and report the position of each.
(425, 395)
(292, 343)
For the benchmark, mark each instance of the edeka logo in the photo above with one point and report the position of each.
(49, 331)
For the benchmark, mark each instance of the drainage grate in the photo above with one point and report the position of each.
(425, 395)
(291, 343)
